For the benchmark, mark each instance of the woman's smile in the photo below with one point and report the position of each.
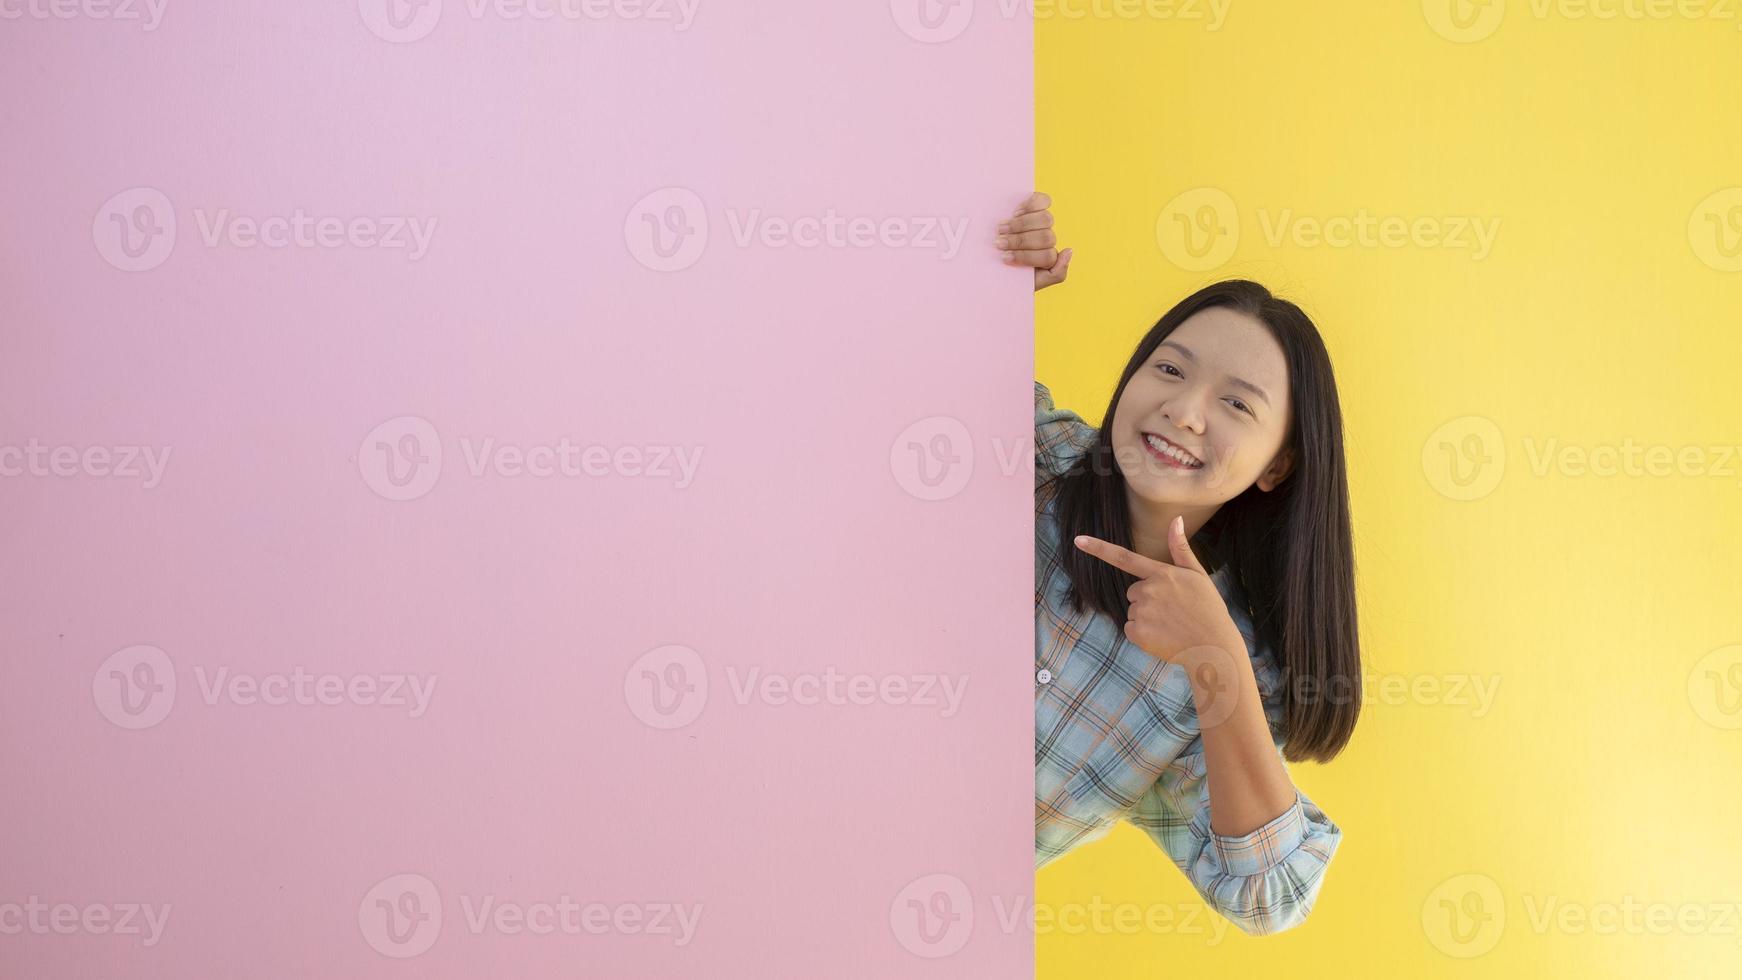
(1170, 452)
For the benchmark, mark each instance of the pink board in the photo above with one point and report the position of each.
(487, 494)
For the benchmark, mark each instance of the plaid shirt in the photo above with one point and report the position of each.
(1116, 734)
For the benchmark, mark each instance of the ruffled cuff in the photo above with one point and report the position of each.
(1253, 854)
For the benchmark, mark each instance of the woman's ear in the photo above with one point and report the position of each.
(1281, 465)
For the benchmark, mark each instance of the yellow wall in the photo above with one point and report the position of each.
(1606, 775)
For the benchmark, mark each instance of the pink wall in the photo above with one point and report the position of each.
(291, 633)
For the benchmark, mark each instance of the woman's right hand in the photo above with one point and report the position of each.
(1027, 239)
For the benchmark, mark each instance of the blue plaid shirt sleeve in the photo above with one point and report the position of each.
(1265, 881)
(1060, 436)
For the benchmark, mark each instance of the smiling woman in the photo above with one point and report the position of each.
(1165, 681)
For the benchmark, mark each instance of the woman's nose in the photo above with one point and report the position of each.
(1186, 414)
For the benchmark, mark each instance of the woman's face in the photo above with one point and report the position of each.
(1216, 391)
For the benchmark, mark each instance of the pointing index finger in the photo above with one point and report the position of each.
(1120, 558)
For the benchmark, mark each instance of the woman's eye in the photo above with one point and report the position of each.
(1237, 403)
(1169, 368)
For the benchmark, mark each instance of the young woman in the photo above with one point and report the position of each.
(1194, 606)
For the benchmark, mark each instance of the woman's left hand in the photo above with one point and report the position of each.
(1026, 238)
(1177, 614)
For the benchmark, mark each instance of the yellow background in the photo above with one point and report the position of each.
(1609, 766)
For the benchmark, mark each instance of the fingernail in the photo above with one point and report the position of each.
(1003, 226)
(1003, 242)
(1080, 539)
(1010, 256)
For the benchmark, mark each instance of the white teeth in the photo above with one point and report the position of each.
(1169, 451)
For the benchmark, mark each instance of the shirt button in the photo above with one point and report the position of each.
(1043, 675)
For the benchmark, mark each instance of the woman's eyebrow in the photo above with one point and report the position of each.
(1237, 382)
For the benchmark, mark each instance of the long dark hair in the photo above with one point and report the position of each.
(1291, 549)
